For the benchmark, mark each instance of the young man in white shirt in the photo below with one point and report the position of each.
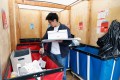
(59, 50)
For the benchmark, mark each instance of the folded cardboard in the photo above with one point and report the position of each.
(52, 40)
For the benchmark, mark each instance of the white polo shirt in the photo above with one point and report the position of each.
(55, 48)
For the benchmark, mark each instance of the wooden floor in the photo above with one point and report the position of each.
(70, 76)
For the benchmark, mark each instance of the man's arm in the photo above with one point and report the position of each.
(45, 35)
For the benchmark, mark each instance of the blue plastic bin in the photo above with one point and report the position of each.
(83, 66)
(94, 67)
(73, 61)
(68, 62)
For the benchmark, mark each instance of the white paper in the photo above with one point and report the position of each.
(42, 63)
(103, 14)
(101, 18)
(107, 12)
(30, 68)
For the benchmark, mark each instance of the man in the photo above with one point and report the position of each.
(58, 49)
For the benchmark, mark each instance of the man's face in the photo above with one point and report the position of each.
(52, 23)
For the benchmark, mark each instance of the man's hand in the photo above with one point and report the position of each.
(41, 51)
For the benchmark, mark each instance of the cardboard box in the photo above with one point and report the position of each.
(61, 34)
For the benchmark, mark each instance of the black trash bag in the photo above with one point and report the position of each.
(103, 40)
(106, 50)
(110, 43)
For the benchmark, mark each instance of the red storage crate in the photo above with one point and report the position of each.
(55, 71)
(31, 46)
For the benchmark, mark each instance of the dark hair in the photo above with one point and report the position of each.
(52, 16)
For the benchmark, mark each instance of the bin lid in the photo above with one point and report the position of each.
(19, 53)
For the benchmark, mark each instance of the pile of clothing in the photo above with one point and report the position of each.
(110, 43)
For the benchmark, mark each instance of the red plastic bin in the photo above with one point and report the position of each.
(31, 46)
(55, 71)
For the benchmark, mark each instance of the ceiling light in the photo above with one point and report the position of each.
(39, 8)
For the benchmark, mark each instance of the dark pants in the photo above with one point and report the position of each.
(62, 61)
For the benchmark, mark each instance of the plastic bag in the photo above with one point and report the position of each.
(110, 43)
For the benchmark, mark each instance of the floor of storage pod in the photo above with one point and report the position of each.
(70, 76)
